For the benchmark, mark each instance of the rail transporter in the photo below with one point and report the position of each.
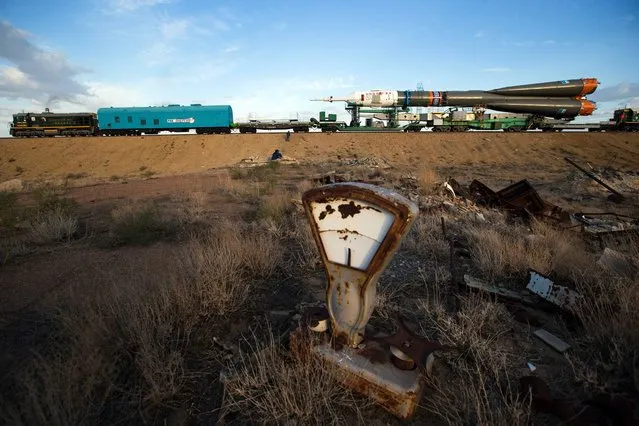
(547, 106)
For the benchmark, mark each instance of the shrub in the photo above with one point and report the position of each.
(138, 223)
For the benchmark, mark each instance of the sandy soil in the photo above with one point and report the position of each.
(103, 158)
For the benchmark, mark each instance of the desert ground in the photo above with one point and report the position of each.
(136, 270)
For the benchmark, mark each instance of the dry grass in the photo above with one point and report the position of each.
(193, 205)
(427, 178)
(128, 351)
(390, 299)
(115, 354)
(303, 186)
(607, 357)
(138, 223)
(221, 264)
(241, 188)
(507, 251)
(131, 352)
(270, 384)
(305, 253)
(473, 384)
(426, 238)
(53, 219)
(53, 225)
(276, 206)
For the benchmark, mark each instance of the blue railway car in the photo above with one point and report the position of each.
(172, 118)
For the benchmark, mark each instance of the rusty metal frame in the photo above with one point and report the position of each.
(364, 192)
(403, 211)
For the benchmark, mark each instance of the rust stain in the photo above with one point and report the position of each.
(375, 353)
(329, 210)
(392, 402)
(350, 209)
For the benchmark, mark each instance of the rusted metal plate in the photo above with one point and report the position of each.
(519, 197)
(560, 295)
(506, 293)
(482, 194)
(405, 345)
(522, 196)
(399, 391)
(357, 228)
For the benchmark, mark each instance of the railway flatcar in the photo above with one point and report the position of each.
(204, 119)
(49, 124)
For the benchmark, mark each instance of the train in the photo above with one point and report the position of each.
(218, 119)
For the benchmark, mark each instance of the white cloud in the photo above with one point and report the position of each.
(102, 94)
(480, 34)
(496, 69)
(619, 92)
(231, 49)
(320, 84)
(35, 72)
(550, 42)
(628, 18)
(123, 6)
(12, 76)
(158, 53)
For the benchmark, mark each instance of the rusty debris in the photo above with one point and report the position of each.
(520, 199)
(608, 230)
(559, 295)
(615, 197)
(410, 350)
(505, 293)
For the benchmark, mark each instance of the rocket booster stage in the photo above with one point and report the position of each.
(558, 99)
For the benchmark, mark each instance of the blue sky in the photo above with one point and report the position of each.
(268, 58)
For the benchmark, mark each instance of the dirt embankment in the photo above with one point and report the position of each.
(31, 159)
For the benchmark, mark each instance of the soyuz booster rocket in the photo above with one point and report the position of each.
(558, 99)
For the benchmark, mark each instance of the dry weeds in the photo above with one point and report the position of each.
(193, 205)
(509, 251)
(129, 352)
(221, 265)
(304, 253)
(270, 384)
(473, 383)
(53, 225)
(276, 206)
(427, 178)
(138, 222)
(426, 238)
(607, 357)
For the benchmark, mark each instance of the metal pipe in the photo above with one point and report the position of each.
(595, 178)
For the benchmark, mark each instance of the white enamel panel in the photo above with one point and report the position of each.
(351, 225)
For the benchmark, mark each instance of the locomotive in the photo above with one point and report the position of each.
(28, 125)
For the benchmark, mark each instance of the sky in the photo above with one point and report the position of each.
(267, 59)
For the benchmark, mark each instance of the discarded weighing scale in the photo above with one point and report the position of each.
(357, 228)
